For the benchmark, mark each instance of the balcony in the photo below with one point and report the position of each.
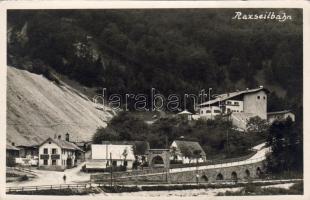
(44, 156)
(55, 156)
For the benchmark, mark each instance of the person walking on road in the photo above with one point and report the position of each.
(64, 178)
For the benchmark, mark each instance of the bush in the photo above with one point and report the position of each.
(120, 189)
(24, 178)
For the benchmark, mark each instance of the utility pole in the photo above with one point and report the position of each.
(111, 170)
(209, 101)
(227, 139)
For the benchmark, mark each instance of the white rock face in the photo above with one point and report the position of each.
(38, 108)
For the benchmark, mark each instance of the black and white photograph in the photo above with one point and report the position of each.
(166, 102)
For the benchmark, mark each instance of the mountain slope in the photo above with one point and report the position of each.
(38, 108)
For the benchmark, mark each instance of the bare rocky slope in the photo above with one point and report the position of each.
(38, 108)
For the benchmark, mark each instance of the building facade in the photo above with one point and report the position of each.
(280, 115)
(239, 105)
(58, 154)
(182, 151)
(106, 155)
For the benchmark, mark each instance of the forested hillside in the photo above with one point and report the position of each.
(174, 51)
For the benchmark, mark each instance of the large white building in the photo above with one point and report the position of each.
(239, 105)
(103, 154)
(58, 154)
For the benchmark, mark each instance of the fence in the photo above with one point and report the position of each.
(46, 187)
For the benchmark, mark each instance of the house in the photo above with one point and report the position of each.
(186, 152)
(185, 115)
(12, 153)
(28, 154)
(280, 115)
(239, 105)
(58, 154)
(105, 155)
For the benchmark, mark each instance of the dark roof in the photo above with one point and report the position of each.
(225, 96)
(189, 146)
(279, 112)
(11, 147)
(140, 147)
(62, 144)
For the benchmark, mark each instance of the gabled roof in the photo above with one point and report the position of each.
(190, 146)
(11, 147)
(139, 147)
(279, 112)
(226, 96)
(185, 112)
(62, 144)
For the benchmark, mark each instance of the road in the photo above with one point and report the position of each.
(54, 177)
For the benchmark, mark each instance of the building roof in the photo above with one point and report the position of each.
(185, 112)
(139, 147)
(62, 144)
(11, 147)
(190, 146)
(279, 112)
(103, 151)
(226, 96)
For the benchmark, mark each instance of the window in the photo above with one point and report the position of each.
(228, 110)
(228, 102)
(53, 162)
(50, 142)
(258, 97)
(236, 103)
(114, 163)
(45, 151)
(208, 111)
(54, 151)
(45, 162)
(201, 112)
(264, 97)
(217, 111)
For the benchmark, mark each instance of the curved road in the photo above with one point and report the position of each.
(75, 176)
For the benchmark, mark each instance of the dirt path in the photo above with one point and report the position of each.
(54, 177)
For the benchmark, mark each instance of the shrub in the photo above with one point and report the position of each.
(24, 178)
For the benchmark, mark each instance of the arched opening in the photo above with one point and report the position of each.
(234, 176)
(219, 177)
(204, 178)
(157, 161)
(258, 172)
(247, 173)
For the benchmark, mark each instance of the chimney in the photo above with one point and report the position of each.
(67, 137)
(261, 86)
(59, 137)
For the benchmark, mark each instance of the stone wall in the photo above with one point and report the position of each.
(243, 172)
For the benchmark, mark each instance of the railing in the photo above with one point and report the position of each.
(46, 187)
(214, 162)
(128, 173)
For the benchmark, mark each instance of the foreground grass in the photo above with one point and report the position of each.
(296, 189)
(248, 189)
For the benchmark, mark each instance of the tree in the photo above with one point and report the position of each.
(284, 138)
(257, 125)
(104, 134)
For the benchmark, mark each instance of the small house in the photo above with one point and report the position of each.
(12, 153)
(280, 115)
(186, 152)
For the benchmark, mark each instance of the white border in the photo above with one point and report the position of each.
(151, 5)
